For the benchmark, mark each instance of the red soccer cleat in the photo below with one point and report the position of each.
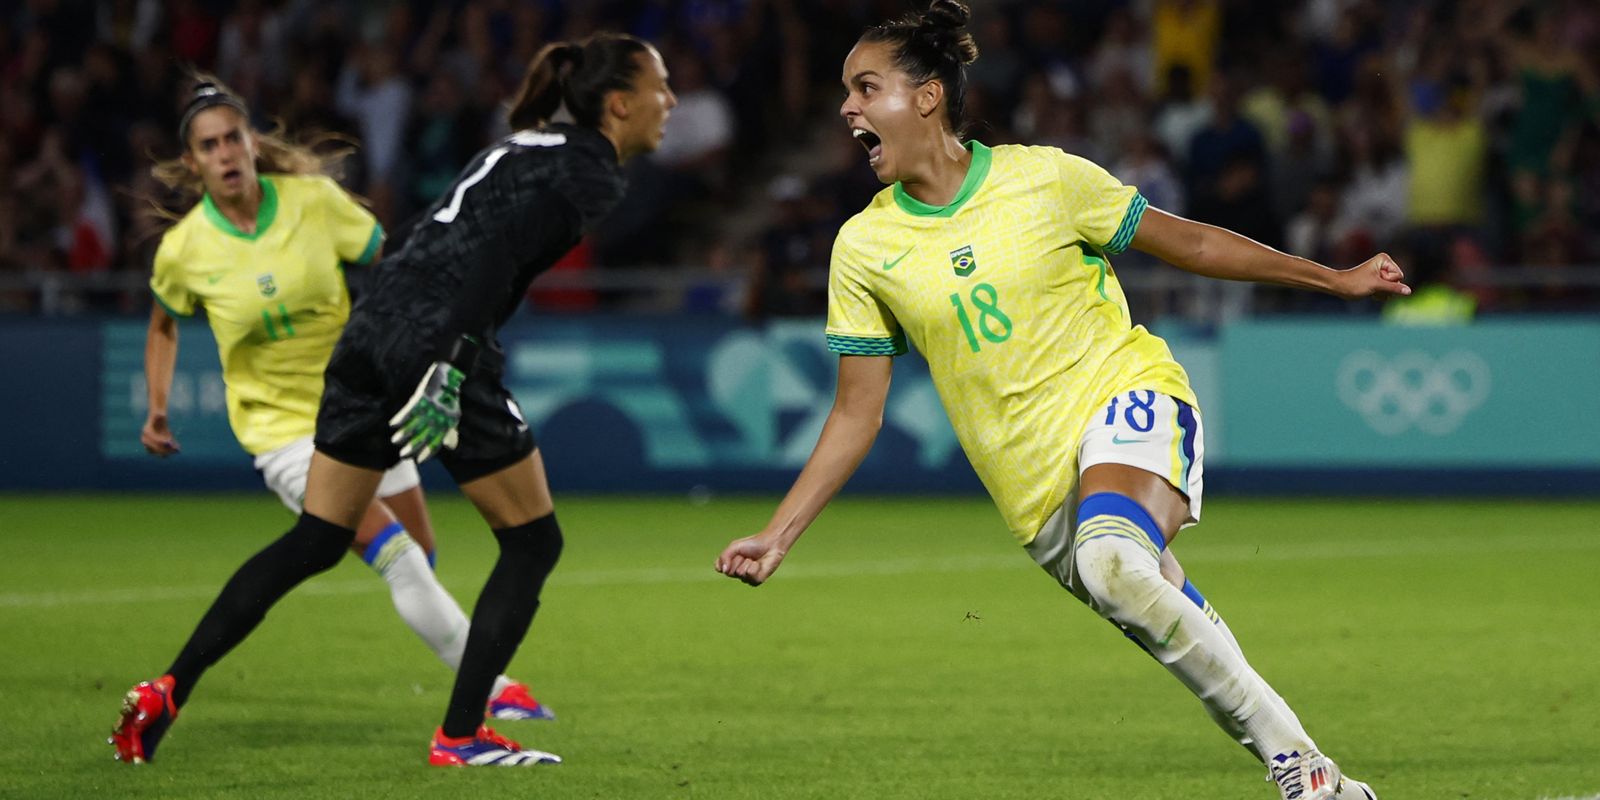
(484, 749)
(147, 712)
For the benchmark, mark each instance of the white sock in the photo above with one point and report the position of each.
(420, 599)
(1227, 633)
(1118, 570)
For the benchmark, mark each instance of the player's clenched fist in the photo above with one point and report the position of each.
(1376, 275)
(752, 559)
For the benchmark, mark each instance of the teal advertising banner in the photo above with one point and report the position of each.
(1495, 394)
(618, 403)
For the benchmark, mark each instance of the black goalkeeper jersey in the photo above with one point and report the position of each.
(515, 210)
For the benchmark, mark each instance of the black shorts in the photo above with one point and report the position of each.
(375, 369)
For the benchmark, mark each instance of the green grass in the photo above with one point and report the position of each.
(907, 650)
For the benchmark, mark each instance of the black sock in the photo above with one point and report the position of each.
(311, 546)
(501, 617)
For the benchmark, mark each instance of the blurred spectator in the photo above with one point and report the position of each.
(250, 50)
(1119, 114)
(700, 130)
(1559, 91)
(1123, 51)
(1181, 114)
(443, 136)
(1463, 134)
(1314, 232)
(1145, 165)
(1225, 176)
(1446, 145)
(128, 24)
(790, 274)
(1184, 33)
(193, 33)
(378, 97)
(1376, 197)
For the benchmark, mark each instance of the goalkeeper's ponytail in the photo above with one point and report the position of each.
(576, 75)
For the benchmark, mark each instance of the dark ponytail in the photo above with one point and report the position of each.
(577, 75)
(933, 45)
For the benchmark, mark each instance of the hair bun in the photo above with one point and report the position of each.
(947, 14)
(944, 25)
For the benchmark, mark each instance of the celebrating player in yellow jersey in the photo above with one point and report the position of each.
(993, 262)
(262, 252)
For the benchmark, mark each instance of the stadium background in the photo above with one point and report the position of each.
(675, 366)
(1460, 137)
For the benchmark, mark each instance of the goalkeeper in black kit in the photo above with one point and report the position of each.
(418, 371)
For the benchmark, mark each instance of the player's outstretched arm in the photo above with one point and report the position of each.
(1221, 253)
(851, 428)
(160, 359)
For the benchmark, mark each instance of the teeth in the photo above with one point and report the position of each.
(858, 132)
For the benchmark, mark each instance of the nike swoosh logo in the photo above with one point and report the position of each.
(1116, 438)
(212, 279)
(888, 265)
(1166, 640)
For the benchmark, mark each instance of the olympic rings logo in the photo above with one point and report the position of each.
(1413, 390)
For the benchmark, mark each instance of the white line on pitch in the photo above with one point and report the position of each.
(1230, 553)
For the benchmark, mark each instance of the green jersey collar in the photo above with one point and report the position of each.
(264, 215)
(976, 172)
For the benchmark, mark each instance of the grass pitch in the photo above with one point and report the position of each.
(906, 650)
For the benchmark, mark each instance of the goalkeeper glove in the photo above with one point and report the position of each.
(429, 419)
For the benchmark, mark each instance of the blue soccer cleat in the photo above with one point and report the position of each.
(515, 702)
(147, 712)
(484, 749)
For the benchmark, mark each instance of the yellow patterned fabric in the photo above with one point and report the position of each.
(276, 298)
(1008, 293)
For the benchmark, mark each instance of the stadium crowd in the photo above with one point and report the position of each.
(1459, 136)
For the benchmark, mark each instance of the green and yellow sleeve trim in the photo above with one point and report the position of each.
(372, 245)
(1130, 225)
(868, 346)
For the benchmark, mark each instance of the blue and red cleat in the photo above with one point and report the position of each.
(147, 712)
(484, 749)
(514, 702)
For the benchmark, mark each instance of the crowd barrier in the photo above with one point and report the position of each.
(705, 404)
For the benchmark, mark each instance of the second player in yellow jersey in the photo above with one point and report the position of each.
(275, 297)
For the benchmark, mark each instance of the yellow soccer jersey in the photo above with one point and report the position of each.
(1008, 294)
(276, 299)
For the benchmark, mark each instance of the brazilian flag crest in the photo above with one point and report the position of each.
(963, 261)
(266, 285)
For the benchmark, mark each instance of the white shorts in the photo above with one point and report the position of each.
(1142, 429)
(285, 468)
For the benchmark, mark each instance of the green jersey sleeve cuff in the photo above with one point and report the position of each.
(868, 346)
(372, 245)
(1130, 224)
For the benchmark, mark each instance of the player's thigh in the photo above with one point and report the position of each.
(514, 495)
(338, 492)
(1149, 447)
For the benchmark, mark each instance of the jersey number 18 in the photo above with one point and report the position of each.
(992, 322)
